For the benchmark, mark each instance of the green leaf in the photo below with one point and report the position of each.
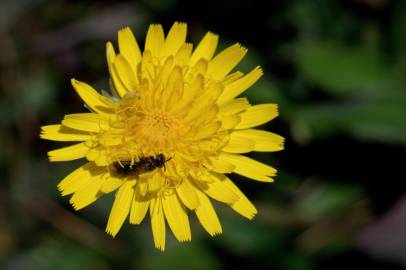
(247, 238)
(297, 261)
(191, 255)
(327, 199)
(342, 71)
(54, 252)
(379, 121)
(398, 29)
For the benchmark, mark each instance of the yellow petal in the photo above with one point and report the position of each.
(121, 208)
(98, 155)
(232, 77)
(207, 215)
(216, 189)
(257, 115)
(72, 152)
(175, 82)
(208, 118)
(177, 217)
(242, 206)
(110, 184)
(111, 57)
(90, 122)
(230, 121)
(264, 141)
(237, 144)
(235, 106)
(205, 49)
(147, 68)
(209, 146)
(79, 178)
(188, 95)
(158, 223)
(182, 57)
(139, 209)
(61, 133)
(155, 39)
(225, 61)
(87, 194)
(177, 94)
(110, 139)
(187, 194)
(237, 87)
(207, 131)
(201, 105)
(94, 100)
(175, 39)
(249, 167)
(219, 166)
(155, 181)
(190, 155)
(166, 71)
(200, 68)
(129, 47)
(125, 73)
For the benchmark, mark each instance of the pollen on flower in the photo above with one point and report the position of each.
(166, 140)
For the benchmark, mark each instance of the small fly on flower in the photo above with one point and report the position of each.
(145, 164)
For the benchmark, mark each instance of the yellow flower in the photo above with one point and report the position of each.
(173, 127)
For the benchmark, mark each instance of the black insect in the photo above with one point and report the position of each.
(145, 164)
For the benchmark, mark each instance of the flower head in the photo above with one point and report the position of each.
(164, 140)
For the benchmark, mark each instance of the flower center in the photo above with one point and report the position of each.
(153, 130)
(160, 121)
(158, 130)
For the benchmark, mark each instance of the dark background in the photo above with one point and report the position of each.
(336, 69)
